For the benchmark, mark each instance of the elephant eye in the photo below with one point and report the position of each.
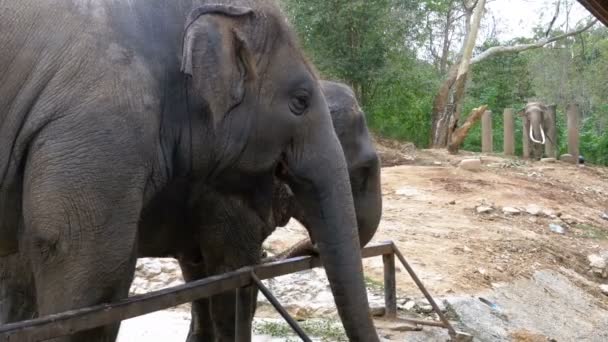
(299, 102)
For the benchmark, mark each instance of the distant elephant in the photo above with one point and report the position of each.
(534, 135)
(103, 137)
(231, 233)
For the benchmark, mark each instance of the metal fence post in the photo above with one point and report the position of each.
(241, 335)
(390, 285)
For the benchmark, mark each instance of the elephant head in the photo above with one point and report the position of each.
(363, 166)
(261, 108)
(534, 113)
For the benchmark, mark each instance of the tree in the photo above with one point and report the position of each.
(448, 100)
(346, 39)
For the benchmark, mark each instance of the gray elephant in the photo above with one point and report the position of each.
(534, 136)
(112, 112)
(230, 234)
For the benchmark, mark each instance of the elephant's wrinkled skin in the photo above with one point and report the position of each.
(111, 112)
(534, 131)
(230, 235)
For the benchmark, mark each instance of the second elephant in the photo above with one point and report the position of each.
(233, 237)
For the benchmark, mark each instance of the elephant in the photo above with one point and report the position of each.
(230, 235)
(534, 115)
(113, 112)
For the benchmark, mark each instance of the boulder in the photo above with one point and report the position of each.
(568, 158)
(511, 211)
(484, 209)
(470, 164)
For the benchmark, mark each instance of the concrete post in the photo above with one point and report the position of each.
(525, 138)
(550, 126)
(573, 113)
(509, 132)
(486, 132)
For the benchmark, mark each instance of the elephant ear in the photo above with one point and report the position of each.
(217, 58)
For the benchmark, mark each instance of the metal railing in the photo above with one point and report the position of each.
(73, 321)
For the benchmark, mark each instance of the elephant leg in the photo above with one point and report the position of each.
(223, 306)
(201, 324)
(81, 210)
(17, 293)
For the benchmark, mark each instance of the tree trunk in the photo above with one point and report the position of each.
(448, 102)
(461, 133)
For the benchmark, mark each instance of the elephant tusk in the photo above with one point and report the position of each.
(542, 136)
(542, 133)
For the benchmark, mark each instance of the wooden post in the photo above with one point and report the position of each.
(525, 138)
(509, 132)
(390, 286)
(573, 113)
(486, 132)
(550, 126)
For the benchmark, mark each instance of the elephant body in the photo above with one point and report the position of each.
(113, 112)
(534, 116)
(231, 234)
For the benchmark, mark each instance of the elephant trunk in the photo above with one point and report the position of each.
(368, 202)
(321, 185)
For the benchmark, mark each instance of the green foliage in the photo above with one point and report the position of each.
(323, 329)
(347, 40)
(388, 52)
(401, 101)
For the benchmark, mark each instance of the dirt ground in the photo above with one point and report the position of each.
(430, 213)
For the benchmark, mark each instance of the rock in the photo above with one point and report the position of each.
(604, 216)
(409, 305)
(453, 202)
(556, 228)
(510, 211)
(409, 192)
(548, 160)
(597, 261)
(533, 210)
(377, 311)
(569, 219)
(604, 289)
(467, 249)
(548, 213)
(395, 326)
(437, 163)
(425, 309)
(567, 158)
(470, 164)
(484, 209)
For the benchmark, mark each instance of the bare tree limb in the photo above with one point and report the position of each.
(461, 132)
(498, 50)
(554, 18)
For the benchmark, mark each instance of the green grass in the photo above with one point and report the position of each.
(592, 232)
(326, 330)
(373, 284)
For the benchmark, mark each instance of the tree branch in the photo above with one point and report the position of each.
(553, 20)
(498, 50)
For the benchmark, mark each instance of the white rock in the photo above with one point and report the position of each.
(510, 211)
(597, 261)
(484, 209)
(409, 305)
(470, 164)
(604, 289)
(409, 192)
(533, 210)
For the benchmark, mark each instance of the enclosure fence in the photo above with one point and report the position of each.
(73, 321)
